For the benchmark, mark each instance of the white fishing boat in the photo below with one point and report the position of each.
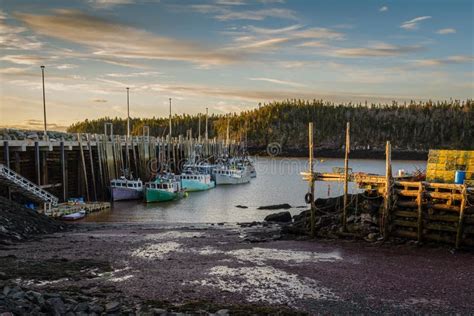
(125, 189)
(229, 175)
(195, 181)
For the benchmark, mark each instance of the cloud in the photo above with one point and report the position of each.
(267, 43)
(413, 23)
(281, 82)
(383, 9)
(66, 66)
(13, 37)
(99, 100)
(107, 4)
(450, 60)
(446, 31)
(23, 59)
(111, 40)
(134, 74)
(376, 50)
(256, 15)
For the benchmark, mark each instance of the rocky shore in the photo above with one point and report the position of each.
(18, 223)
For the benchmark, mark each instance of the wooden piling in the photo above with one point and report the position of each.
(89, 147)
(459, 229)
(63, 171)
(37, 163)
(346, 176)
(83, 161)
(419, 201)
(311, 182)
(388, 190)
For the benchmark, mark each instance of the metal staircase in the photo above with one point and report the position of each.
(11, 178)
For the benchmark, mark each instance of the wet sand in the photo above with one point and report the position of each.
(187, 263)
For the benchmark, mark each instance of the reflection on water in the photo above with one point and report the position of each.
(278, 181)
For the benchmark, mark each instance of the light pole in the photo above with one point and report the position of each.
(44, 105)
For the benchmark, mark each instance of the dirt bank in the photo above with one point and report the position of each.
(147, 268)
(19, 223)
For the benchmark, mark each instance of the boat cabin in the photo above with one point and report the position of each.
(203, 178)
(129, 184)
(172, 186)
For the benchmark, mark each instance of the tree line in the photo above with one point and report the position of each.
(409, 126)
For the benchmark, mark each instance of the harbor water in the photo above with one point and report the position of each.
(278, 181)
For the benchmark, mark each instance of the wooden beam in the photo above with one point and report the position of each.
(461, 217)
(419, 201)
(311, 182)
(346, 176)
(83, 160)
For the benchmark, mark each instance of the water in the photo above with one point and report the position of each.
(278, 181)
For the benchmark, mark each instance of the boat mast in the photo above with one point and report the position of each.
(170, 122)
(207, 136)
(127, 156)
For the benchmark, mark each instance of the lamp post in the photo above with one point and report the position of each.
(44, 105)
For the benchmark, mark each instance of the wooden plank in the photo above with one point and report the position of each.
(398, 222)
(444, 196)
(406, 214)
(440, 227)
(411, 193)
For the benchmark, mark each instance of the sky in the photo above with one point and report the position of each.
(227, 55)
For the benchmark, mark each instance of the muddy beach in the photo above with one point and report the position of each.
(200, 269)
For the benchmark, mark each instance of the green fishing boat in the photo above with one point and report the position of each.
(163, 189)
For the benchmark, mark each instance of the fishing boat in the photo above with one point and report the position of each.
(231, 175)
(126, 189)
(195, 181)
(74, 216)
(245, 164)
(164, 188)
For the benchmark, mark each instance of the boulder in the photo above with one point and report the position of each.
(281, 217)
(283, 206)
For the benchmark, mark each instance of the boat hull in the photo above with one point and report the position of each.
(192, 186)
(74, 216)
(123, 194)
(224, 179)
(156, 195)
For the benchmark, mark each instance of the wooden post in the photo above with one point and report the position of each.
(311, 182)
(388, 189)
(91, 161)
(99, 145)
(461, 217)
(6, 160)
(83, 160)
(37, 163)
(419, 201)
(346, 176)
(63, 171)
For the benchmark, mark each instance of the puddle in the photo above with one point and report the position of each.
(174, 234)
(265, 284)
(156, 251)
(260, 255)
(121, 279)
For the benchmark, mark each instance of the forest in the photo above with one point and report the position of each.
(412, 126)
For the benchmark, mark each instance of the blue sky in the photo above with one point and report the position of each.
(227, 55)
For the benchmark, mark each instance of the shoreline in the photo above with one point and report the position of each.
(145, 269)
(339, 153)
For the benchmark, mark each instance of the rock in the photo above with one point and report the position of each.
(371, 237)
(283, 206)
(81, 307)
(6, 314)
(112, 307)
(159, 311)
(56, 306)
(35, 297)
(282, 217)
(241, 206)
(222, 312)
(94, 308)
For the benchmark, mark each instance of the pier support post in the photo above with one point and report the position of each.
(83, 160)
(63, 171)
(388, 190)
(461, 217)
(346, 176)
(311, 182)
(37, 163)
(419, 201)
(91, 160)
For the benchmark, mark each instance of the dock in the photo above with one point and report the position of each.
(83, 167)
(422, 210)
